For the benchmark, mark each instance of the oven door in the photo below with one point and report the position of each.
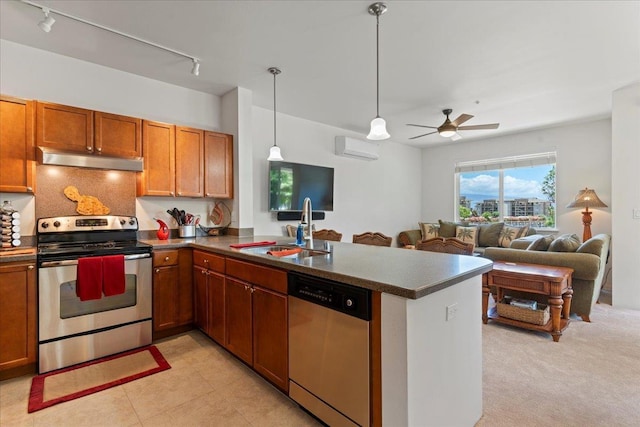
(62, 314)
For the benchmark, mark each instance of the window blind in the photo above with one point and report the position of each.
(524, 161)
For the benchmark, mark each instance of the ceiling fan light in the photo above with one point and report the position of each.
(378, 130)
(447, 133)
(274, 154)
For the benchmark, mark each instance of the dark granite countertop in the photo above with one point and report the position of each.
(403, 272)
(22, 253)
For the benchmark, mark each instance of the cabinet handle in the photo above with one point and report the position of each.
(157, 270)
(171, 193)
(30, 189)
(99, 150)
(251, 290)
(30, 267)
(246, 288)
(166, 258)
(206, 261)
(208, 194)
(204, 271)
(179, 193)
(89, 148)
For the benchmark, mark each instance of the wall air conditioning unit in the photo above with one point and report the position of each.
(356, 148)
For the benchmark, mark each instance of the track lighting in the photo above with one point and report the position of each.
(47, 22)
(196, 67)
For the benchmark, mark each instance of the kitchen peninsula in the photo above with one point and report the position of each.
(426, 343)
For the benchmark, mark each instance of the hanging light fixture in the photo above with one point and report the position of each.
(274, 152)
(378, 130)
(47, 22)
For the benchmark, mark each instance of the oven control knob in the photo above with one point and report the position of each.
(122, 221)
(349, 302)
(56, 224)
(44, 225)
(132, 221)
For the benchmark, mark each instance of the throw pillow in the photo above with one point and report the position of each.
(591, 246)
(565, 243)
(541, 244)
(448, 228)
(429, 230)
(489, 234)
(509, 234)
(466, 234)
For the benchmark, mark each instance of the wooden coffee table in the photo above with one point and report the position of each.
(555, 282)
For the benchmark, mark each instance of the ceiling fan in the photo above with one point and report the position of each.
(450, 128)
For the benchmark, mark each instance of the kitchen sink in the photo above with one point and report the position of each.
(305, 253)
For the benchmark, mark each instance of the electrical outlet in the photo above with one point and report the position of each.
(636, 214)
(452, 311)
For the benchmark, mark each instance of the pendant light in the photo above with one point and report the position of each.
(378, 130)
(274, 152)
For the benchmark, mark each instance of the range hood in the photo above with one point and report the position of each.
(48, 156)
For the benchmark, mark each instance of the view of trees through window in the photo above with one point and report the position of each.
(517, 196)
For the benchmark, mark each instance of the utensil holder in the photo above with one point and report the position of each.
(187, 231)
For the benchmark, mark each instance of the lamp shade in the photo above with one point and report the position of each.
(587, 198)
(274, 154)
(378, 130)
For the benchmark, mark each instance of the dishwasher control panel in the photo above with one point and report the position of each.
(347, 299)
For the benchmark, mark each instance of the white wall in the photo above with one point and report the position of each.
(583, 160)
(31, 73)
(381, 195)
(626, 196)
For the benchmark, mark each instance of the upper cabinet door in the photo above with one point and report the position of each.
(218, 165)
(64, 128)
(158, 145)
(189, 162)
(117, 136)
(17, 152)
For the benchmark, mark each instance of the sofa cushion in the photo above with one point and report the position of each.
(524, 242)
(509, 234)
(429, 230)
(565, 243)
(448, 228)
(467, 234)
(489, 234)
(541, 243)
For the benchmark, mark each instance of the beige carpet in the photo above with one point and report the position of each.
(591, 377)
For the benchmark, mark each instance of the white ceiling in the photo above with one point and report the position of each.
(523, 64)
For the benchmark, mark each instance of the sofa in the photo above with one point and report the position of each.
(588, 261)
(482, 235)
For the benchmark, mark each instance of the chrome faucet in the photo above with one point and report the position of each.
(307, 213)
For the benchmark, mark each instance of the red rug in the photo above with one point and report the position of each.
(86, 378)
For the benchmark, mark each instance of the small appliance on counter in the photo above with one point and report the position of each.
(9, 226)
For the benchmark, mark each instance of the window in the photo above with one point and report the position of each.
(518, 190)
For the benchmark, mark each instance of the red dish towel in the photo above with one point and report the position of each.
(89, 278)
(113, 280)
(285, 252)
(248, 245)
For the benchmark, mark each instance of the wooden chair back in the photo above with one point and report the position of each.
(326, 234)
(446, 245)
(372, 238)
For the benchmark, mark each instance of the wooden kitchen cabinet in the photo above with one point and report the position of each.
(64, 128)
(218, 165)
(189, 162)
(209, 294)
(117, 136)
(256, 319)
(172, 290)
(17, 149)
(17, 319)
(159, 148)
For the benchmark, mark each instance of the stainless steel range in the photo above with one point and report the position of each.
(76, 326)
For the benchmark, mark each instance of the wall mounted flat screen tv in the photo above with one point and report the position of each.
(290, 183)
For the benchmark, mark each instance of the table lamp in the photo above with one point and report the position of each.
(586, 198)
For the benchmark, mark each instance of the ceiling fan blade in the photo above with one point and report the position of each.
(456, 136)
(461, 119)
(420, 136)
(422, 126)
(478, 127)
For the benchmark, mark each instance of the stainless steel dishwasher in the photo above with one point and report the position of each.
(329, 349)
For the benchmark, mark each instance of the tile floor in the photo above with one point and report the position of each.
(205, 386)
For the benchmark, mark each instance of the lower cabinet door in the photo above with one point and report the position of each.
(238, 325)
(165, 297)
(200, 311)
(270, 336)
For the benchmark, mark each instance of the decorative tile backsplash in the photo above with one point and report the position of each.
(115, 189)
